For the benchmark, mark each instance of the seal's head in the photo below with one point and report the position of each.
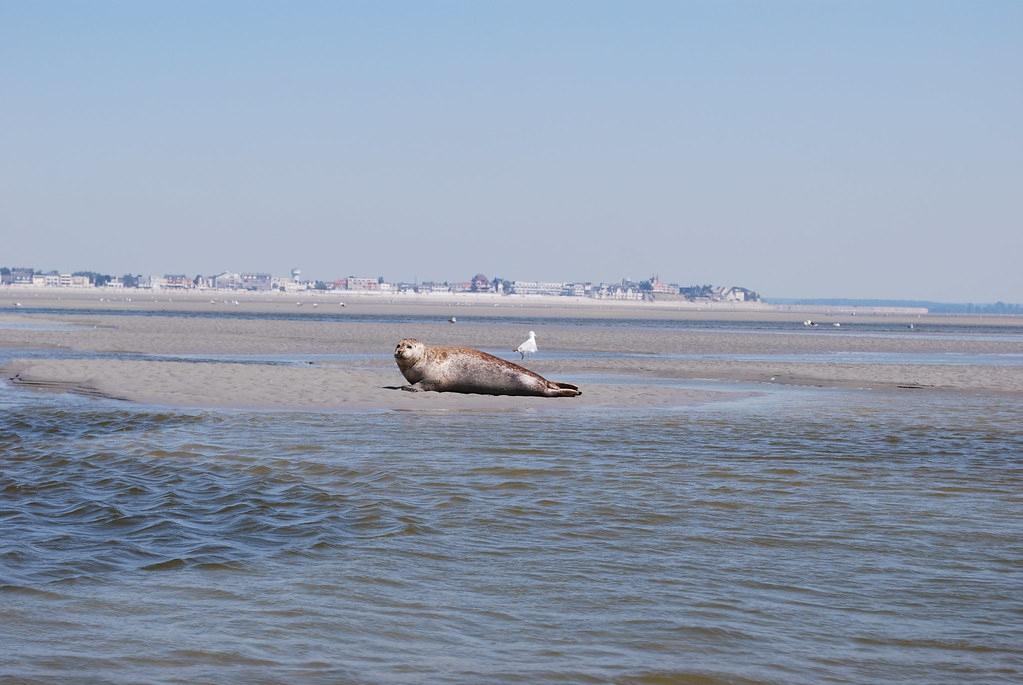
(408, 352)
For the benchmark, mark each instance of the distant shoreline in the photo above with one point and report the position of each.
(71, 296)
(470, 304)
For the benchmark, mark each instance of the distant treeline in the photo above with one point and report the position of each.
(933, 307)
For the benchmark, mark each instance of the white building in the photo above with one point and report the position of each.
(735, 294)
(537, 288)
(615, 291)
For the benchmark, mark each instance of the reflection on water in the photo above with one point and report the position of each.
(795, 537)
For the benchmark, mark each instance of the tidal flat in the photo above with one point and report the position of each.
(241, 496)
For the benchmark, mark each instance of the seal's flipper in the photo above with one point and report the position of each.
(563, 390)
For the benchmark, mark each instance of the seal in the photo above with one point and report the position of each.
(462, 369)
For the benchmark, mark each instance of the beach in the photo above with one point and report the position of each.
(272, 353)
(204, 491)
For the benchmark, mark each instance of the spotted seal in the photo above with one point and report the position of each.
(462, 369)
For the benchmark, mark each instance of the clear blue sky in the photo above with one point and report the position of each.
(828, 149)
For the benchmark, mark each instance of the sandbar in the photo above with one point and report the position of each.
(236, 356)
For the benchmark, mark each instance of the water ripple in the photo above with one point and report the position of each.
(828, 537)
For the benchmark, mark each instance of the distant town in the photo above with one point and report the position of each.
(652, 288)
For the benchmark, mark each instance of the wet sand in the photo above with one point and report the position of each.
(306, 362)
(321, 386)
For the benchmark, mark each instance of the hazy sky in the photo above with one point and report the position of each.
(828, 149)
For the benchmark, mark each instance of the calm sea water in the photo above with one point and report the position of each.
(799, 536)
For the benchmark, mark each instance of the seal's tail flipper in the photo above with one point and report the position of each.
(564, 390)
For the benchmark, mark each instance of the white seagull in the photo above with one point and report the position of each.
(528, 347)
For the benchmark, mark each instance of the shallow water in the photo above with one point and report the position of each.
(1011, 331)
(345, 358)
(800, 536)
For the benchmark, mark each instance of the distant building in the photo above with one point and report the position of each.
(697, 292)
(227, 280)
(256, 281)
(735, 294)
(575, 289)
(176, 282)
(433, 287)
(20, 276)
(480, 284)
(53, 279)
(287, 284)
(359, 283)
(537, 288)
(616, 291)
(657, 286)
(710, 293)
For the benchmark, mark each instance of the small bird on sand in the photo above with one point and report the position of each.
(528, 347)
